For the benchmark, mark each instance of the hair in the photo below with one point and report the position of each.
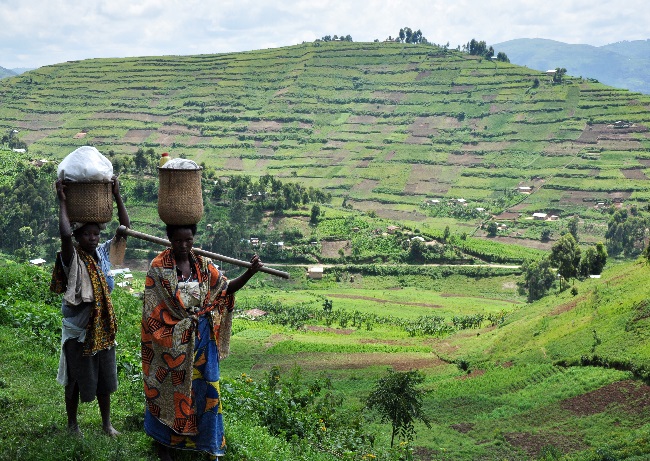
(171, 228)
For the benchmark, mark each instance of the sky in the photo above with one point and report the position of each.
(35, 33)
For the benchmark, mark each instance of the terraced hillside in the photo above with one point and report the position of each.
(397, 129)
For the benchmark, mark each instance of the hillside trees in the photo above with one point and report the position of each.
(399, 401)
(539, 277)
(502, 57)
(625, 233)
(593, 260)
(28, 210)
(407, 35)
(559, 75)
(565, 256)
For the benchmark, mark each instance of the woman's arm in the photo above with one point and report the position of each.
(235, 284)
(65, 230)
(122, 214)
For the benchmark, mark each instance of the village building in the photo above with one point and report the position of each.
(315, 273)
(539, 216)
(392, 229)
(37, 261)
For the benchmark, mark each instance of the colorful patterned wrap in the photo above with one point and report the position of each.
(180, 356)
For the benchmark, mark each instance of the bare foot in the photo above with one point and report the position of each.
(73, 429)
(110, 431)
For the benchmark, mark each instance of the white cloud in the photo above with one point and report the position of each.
(40, 32)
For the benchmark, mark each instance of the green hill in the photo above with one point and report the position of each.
(384, 127)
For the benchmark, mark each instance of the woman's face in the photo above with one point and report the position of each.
(88, 237)
(182, 240)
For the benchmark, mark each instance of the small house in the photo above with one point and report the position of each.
(37, 261)
(392, 229)
(539, 216)
(551, 72)
(315, 273)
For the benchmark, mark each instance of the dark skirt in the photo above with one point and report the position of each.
(95, 374)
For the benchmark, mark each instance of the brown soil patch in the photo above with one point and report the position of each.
(584, 197)
(389, 156)
(137, 136)
(234, 163)
(164, 139)
(507, 215)
(631, 396)
(423, 74)
(463, 428)
(30, 137)
(566, 148)
(366, 185)
(566, 307)
(645, 162)
(634, 173)
(423, 127)
(472, 374)
(331, 249)
(464, 159)
(264, 125)
(532, 444)
(383, 301)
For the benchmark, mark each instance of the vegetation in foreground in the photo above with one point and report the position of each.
(560, 378)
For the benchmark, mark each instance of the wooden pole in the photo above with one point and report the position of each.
(237, 262)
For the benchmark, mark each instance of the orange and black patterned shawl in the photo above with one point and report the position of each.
(168, 332)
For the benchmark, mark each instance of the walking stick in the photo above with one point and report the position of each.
(123, 230)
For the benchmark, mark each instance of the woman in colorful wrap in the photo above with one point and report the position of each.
(186, 322)
(82, 272)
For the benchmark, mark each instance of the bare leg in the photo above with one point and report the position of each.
(164, 452)
(71, 408)
(104, 401)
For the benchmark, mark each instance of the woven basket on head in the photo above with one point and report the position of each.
(180, 198)
(89, 201)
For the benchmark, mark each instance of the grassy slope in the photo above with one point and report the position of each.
(515, 396)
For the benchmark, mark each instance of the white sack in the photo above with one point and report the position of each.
(85, 164)
(181, 164)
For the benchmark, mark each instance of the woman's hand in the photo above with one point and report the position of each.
(60, 190)
(116, 185)
(256, 264)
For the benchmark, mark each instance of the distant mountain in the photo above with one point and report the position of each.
(21, 70)
(621, 65)
(4, 73)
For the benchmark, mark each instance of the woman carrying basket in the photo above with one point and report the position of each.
(87, 365)
(186, 317)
